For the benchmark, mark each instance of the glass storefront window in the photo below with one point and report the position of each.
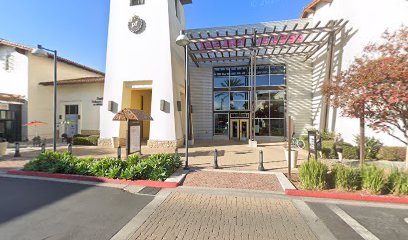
(239, 81)
(221, 124)
(239, 96)
(262, 95)
(221, 101)
(277, 80)
(262, 109)
(262, 127)
(261, 70)
(277, 127)
(221, 82)
(262, 80)
(277, 69)
(277, 109)
(277, 95)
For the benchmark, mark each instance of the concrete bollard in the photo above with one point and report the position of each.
(261, 167)
(17, 150)
(216, 159)
(119, 153)
(43, 148)
(70, 148)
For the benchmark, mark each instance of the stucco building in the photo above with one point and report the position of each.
(245, 80)
(26, 94)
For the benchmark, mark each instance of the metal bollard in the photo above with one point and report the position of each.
(43, 148)
(261, 167)
(70, 148)
(17, 150)
(216, 159)
(119, 153)
(176, 155)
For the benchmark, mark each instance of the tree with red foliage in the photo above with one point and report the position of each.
(375, 88)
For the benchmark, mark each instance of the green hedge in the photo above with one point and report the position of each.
(392, 153)
(347, 178)
(86, 141)
(155, 167)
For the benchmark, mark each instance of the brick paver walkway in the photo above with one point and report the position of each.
(251, 181)
(197, 216)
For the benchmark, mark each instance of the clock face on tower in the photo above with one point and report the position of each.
(136, 25)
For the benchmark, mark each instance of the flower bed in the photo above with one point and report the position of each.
(156, 167)
(316, 175)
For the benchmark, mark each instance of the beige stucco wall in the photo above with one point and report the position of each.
(40, 104)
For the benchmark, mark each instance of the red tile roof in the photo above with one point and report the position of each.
(311, 7)
(84, 80)
(11, 98)
(64, 60)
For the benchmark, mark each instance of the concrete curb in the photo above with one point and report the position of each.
(284, 181)
(146, 183)
(346, 196)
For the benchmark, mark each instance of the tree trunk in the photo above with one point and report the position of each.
(362, 140)
(406, 159)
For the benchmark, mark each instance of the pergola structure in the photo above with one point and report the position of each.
(302, 40)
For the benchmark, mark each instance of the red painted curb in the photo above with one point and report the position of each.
(146, 183)
(347, 196)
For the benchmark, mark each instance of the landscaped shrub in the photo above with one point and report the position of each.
(86, 141)
(154, 167)
(326, 136)
(312, 175)
(398, 182)
(350, 151)
(392, 153)
(328, 149)
(373, 179)
(371, 146)
(347, 178)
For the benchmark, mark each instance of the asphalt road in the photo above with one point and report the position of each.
(35, 209)
(356, 222)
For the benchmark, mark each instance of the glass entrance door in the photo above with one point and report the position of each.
(239, 129)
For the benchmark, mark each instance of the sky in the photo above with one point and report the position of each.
(78, 28)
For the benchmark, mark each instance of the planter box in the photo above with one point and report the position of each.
(3, 148)
(294, 157)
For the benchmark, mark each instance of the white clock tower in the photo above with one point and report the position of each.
(145, 70)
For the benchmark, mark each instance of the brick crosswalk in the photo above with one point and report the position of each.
(202, 216)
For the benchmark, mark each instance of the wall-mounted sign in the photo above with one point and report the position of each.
(136, 25)
(4, 106)
(98, 101)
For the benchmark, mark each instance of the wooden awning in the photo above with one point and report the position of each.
(132, 115)
(12, 98)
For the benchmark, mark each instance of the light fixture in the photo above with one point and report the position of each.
(182, 40)
(39, 52)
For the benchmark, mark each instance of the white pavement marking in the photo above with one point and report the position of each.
(314, 222)
(406, 220)
(362, 231)
(133, 225)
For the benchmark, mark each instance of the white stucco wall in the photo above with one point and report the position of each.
(148, 56)
(40, 98)
(14, 80)
(368, 19)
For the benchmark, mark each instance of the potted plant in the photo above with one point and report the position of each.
(293, 156)
(3, 147)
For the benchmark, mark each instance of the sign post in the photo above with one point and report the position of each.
(290, 134)
(312, 142)
(134, 137)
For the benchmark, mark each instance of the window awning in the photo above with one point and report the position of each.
(301, 39)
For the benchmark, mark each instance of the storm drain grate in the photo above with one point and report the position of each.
(149, 190)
